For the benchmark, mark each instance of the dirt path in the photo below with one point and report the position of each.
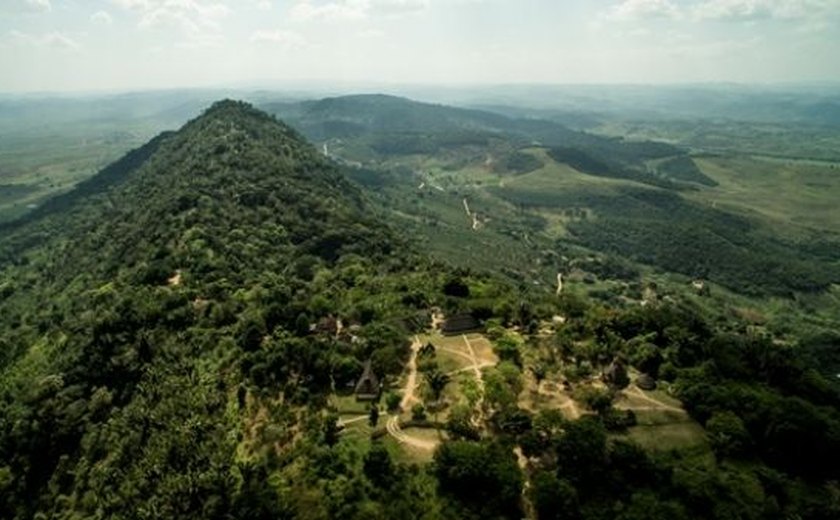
(392, 424)
(568, 403)
(437, 319)
(637, 392)
(393, 427)
(522, 461)
(471, 359)
(478, 375)
(483, 364)
(344, 422)
(456, 353)
(520, 458)
(476, 223)
(411, 382)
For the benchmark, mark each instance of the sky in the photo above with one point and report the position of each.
(95, 45)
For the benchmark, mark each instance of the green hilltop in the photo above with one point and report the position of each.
(182, 334)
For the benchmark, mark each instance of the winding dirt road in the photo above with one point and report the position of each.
(392, 424)
(411, 382)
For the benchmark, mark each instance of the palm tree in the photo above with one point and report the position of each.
(437, 381)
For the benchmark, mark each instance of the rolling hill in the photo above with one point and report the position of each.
(648, 200)
(180, 287)
(391, 125)
(180, 337)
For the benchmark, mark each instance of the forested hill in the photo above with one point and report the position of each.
(223, 171)
(389, 125)
(140, 323)
(179, 338)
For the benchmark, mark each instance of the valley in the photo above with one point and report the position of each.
(419, 260)
(354, 304)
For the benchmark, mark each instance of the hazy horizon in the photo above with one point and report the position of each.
(67, 46)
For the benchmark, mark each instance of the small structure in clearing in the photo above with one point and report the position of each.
(460, 324)
(616, 374)
(427, 350)
(646, 382)
(367, 387)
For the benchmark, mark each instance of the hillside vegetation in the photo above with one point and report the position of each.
(179, 334)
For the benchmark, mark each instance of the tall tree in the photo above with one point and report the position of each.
(437, 382)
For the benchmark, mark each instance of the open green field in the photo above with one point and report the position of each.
(800, 140)
(786, 191)
(348, 405)
(451, 352)
(39, 163)
(554, 177)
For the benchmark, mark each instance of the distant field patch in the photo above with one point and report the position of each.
(801, 192)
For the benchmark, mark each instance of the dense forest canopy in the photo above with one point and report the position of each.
(169, 339)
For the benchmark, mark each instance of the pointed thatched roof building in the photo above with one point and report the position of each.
(367, 387)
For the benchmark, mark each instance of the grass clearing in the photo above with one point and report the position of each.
(483, 348)
(348, 405)
(660, 417)
(666, 437)
(407, 454)
(451, 352)
(555, 185)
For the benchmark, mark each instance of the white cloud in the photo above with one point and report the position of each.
(392, 7)
(25, 6)
(152, 12)
(705, 51)
(197, 21)
(49, 40)
(101, 18)
(133, 4)
(288, 40)
(640, 9)
(764, 9)
(264, 5)
(39, 5)
(370, 34)
(338, 10)
(723, 10)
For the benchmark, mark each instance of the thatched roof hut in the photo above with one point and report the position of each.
(460, 324)
(367, 387)
(646, 382)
